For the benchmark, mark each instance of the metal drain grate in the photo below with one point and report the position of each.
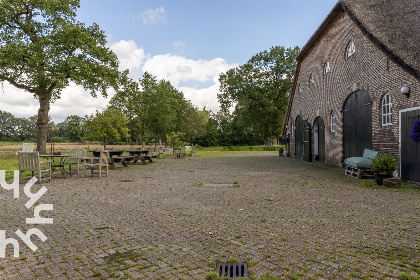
(102, 228)
(232, 270)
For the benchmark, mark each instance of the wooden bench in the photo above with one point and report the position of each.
(149, 157)
(122, 159)
(359, 173)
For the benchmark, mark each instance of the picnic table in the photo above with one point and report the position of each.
(142, 155)
(115, 156)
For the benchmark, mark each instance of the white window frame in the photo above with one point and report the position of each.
(386, 110)
(299, 89)
(351, 49)
(327, 68)
(333, 119)
(311, 81)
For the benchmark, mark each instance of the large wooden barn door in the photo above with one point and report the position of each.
(357, 124)
(298, 137)
(307, 151)
(410, 151)
(319, 139)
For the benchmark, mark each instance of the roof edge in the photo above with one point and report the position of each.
(389, 53)
(330, 17)
(291, 97)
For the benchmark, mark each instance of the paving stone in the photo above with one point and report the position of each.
(288, 213)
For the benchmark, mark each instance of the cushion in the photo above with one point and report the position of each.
(370, 154)
(358, 162)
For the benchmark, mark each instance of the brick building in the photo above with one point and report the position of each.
(349, 91)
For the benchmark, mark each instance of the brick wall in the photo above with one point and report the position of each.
(368, 69)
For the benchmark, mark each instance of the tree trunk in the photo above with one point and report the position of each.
(156, 139)
(105, 142)
(42, 124)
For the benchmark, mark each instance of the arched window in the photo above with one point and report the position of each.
(327, 68)
(387, 110)
(351, 49)
(311, 80)
(332, 122)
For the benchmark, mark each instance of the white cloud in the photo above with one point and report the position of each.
(20, 103)
(176, 69)
(197, 79)
(75, 100)
(204, 97)
(154, 16)
(130, 56)
(179, 44)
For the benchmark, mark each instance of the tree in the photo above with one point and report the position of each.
(196, 123)
(154, 110)
(210, 138)
(43, 48)
(73, 128)
(258, 90)
(160, 100)
(109, 125)
(25, 129)
(7, 125)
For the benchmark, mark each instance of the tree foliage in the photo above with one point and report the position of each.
(156, 109)
(43, 48)
(109, 125)
(72, 128)
(258, 90)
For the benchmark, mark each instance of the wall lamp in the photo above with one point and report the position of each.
(405, 90)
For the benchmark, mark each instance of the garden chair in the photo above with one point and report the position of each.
(96, 163)
(27, 147)
(75, 158)
(29, 161)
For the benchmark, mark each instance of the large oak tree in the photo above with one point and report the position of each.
(43, 48)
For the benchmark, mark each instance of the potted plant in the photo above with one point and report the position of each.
(384, 165)
(415, 132)
(281, 151)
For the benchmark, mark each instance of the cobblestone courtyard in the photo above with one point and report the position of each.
(175, 219)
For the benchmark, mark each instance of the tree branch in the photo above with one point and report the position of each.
(29, 15)
(12, 82)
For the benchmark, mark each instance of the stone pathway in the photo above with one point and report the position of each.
(175, 219)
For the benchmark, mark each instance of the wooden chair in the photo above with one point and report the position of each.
(75, 158)
(96, 163)
(27, 147)
(179, 153)
(29, 161)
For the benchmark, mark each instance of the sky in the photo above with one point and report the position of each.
(186, 42)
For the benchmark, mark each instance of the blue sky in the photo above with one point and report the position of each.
(230, 29)
(187, 42)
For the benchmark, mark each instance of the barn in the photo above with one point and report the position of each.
(357, 85)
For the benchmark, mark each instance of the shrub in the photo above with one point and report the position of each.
(384, 163)
(266, 148)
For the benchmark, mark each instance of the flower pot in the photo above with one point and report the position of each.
(379, 178)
